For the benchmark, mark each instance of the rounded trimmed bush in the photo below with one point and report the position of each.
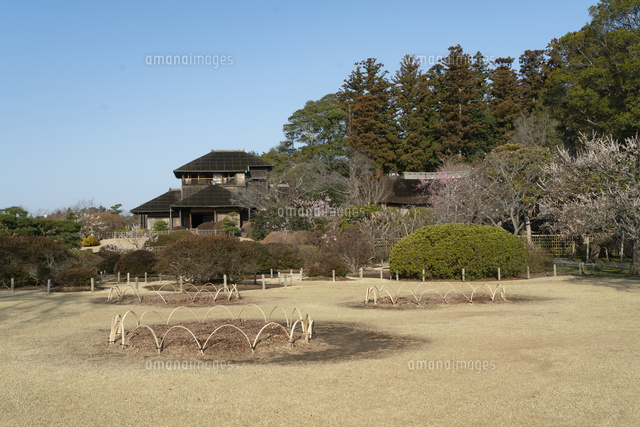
(136, 263)
(444, 250)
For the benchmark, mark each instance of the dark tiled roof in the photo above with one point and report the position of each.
(159, 204)
(223, 161)
(405, 192)
(212, 196)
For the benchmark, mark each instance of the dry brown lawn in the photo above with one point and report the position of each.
(566, 351)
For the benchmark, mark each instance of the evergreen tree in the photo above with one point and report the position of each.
(467, 127)
(366, 95)
(504, 96)
(416, 116)
(597, 85)
(532, 78)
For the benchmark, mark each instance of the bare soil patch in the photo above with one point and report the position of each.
(332, 342)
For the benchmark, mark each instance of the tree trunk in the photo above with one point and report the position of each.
(635, 260)
(528, 227)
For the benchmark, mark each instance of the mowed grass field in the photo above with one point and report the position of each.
(566, 351)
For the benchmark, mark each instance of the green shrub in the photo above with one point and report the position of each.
(90, 241)
(136, 263)
(164, 239)
(77, 277)
(444, 250)
(160, 226)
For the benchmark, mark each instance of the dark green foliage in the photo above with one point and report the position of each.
(594, 85)
(80, 276)
(136, 263)
(64, 232)
(321, 129)
(367, 96)
(444, 250)
(160, 226)
(30, 259)
(164, 239)
(230, 225)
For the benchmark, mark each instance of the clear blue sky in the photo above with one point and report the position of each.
(84, 118)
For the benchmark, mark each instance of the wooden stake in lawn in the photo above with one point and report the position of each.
(180, 280)
(136, 283)
(397, 276)
(555, 272)
(360, 271)
(301, 274)
(48, 286)
(463, 274)
(224, 280)
(271, 273)
(498, 274)
(423, 274)
(381, 270)
(263, 285)
(128, 278)
(528, 276)
(160, 278)
(333, 275)
(13, 284)
(92, 284)
(145, 277)
(118, 277)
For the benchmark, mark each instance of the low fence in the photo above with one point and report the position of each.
(555, 244)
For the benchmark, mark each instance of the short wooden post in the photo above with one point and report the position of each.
(160, 278)
(291, 273)
(291, 279)
(48, 286)
(180, 281)
(528, 275)
(333, 275)
(128, 278)
(13, 284)
(145, 277)
(397, 276)
(301, 273)
(381, 271)
(555, 271)
(271, 273)
(224, 280)
(92, 284)
(279, 278)
(463, 274)
(498, 274)
(136, 283)
(263, 284)
(118, 277)
(361, 273)
(423, 274)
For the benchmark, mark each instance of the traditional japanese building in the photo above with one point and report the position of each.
(209, 190)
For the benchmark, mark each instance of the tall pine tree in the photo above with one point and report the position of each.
(367, 97)
(417, 147)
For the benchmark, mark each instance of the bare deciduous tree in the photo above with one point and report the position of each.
(598, 190)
